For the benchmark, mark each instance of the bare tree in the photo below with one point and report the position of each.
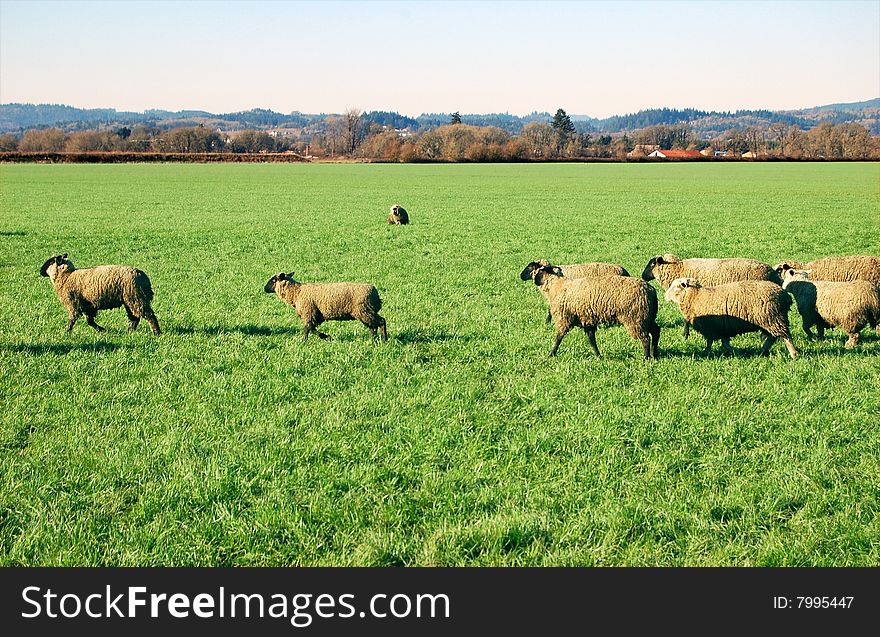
(351, 120)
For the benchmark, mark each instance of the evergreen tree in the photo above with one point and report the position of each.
(456, 118)
(564, 129)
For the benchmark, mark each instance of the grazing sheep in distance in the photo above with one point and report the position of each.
(104, 287)
(398, 216)
(602, 300)
(849, 305)
(573, 271)
(853, 268)
(319, 302)
(723, 311)
(667, 267)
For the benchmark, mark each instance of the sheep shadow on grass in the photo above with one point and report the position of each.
(215, 330)
(411, 336)
(38, 349)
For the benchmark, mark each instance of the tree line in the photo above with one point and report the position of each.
(376, 137)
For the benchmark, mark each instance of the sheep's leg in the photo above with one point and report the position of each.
(306, 331)
(853, 340)
(133, 320)
(90, 319)
(790, 347)
(687, 330)
(646, 344)
(807, 325)
(591, 334)
(321, 335)
(725, 342)
(548, 318)
(72, 318)
(820, 330)
(768, 343)
(655, 341)
(152, 320)
(709, 343)
(382, 328)
(559, 336)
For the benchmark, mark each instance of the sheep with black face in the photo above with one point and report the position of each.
(573, 271)
(666, 268)
(724, 311)
(398, 216)
(848, 305)
(602, 300)
(319, 302)
(104, 287)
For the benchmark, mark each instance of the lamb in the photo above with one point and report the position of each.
(398, 216)
(854, 268)
(731, 309)
(602, 300)
(105, 287)
(849, 305)
(573, 271)
(319, 302)
(668, 267)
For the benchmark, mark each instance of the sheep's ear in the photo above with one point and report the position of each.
(45, 268)
(656, 261)
(64, 257)
(556, 270)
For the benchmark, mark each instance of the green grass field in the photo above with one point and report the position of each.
(226, 441)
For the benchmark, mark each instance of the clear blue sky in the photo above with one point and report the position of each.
(593, 58)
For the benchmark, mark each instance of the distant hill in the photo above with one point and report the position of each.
(706, 124)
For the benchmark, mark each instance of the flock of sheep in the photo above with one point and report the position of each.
(719, 298)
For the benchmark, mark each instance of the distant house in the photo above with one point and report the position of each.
(751, 155)
(642, 150)
(676, 154)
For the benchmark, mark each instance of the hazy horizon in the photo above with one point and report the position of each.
(591, 58)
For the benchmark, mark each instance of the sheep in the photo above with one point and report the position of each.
(319, 302)
(602, 300)
(573, 271)
(731, 309)
(849, 305)
(853, 268)
(668, 267)
(397, 216)
(104, 287)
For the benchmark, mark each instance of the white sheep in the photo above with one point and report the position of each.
(104, 287)
(723, 311)
(849, 305)
(603, 300)
(319, 302)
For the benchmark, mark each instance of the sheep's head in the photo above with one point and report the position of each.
(54, 264)
(660, 259)
(677, 289)
(531, 268)
(782, 268)
(270, 286)
(546, 272)
(397, 210)
(795, 275)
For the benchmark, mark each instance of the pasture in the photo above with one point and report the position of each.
(226, 441)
